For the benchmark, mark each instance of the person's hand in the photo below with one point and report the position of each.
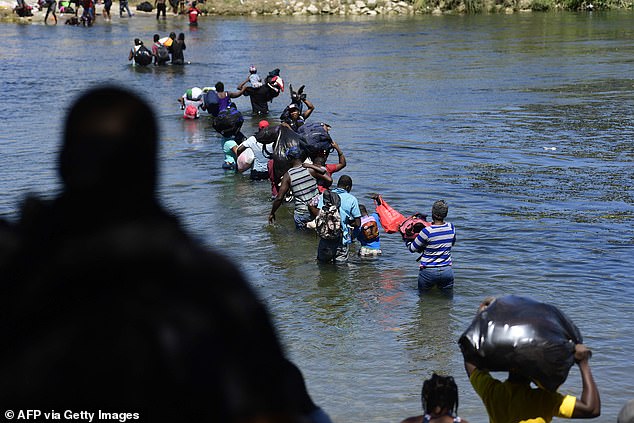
(582, 353)
(334, 145)
(486, 303)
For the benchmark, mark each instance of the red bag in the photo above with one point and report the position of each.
(390, 219)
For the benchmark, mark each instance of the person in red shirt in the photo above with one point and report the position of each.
(193, 13)
(320, 160)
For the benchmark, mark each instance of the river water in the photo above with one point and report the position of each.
(522, 123)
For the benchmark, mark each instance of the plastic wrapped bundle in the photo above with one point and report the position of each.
(532, 338)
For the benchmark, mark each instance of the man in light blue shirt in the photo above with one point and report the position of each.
(336, 250)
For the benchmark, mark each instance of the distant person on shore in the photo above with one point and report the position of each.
(161, 7)
(51, 7)
(107, 5)
(368, 234)
(123, 5)
(435, 242)
(192, 13)
(88, 15)
(439, 398)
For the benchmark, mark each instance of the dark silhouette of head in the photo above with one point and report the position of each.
(440, 394)
(110, 147)
(220, 87)
(156, 37)
(439, 210)
(345, 182)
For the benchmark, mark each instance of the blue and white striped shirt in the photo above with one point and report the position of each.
(435, 243)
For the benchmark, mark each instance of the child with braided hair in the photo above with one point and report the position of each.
(439, 398)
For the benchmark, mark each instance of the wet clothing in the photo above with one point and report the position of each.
(332, 251)
(224, 102)
(368, 248)
(227, 148)
(427, 419)
(518, 402)
(304, 189)
(177, 52)
(260, 163)
(348, 211)
(192, 14)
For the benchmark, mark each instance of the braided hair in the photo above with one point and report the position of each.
(440, 391)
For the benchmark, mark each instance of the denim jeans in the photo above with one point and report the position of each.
(439, 276)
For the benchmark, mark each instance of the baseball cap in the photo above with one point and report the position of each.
(292, 106)
(263, 124)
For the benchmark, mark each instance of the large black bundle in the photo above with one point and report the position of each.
(533, 338)
(317, 138)
(228, 122)
(287, 139)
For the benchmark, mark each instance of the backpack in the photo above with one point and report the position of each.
(228, 122)
(411, 227)
(369, 228)
(316, 137)
(211, 102)
(143, 56)
(162, 53)
(328, 221)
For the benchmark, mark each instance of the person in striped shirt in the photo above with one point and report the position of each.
(301, 180)
(435, 242)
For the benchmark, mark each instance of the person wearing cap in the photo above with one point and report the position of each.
(259, 168)
(294, 117)
(254, 79)
(300, 179)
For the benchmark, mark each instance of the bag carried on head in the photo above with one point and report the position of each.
(228, 122)
(328, 221)
(411, 227)
(316, 137)
(143, 56)
(369, 228)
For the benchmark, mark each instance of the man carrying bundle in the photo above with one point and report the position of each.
(515, 401)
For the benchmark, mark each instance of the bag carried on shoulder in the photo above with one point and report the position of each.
(211, 102)
(328, 221)
(369, 228)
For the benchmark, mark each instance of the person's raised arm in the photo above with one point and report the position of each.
(589, 405)
(310, 109)
(237, 94)
(342, 159)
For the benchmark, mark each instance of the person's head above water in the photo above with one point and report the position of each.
(439, 210)
(220, 87)
(440, 395)
(110, 146)
(345, 182)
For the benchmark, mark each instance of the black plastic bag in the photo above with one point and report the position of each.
(534, 339)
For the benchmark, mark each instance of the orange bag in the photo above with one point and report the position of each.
(390, 219)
